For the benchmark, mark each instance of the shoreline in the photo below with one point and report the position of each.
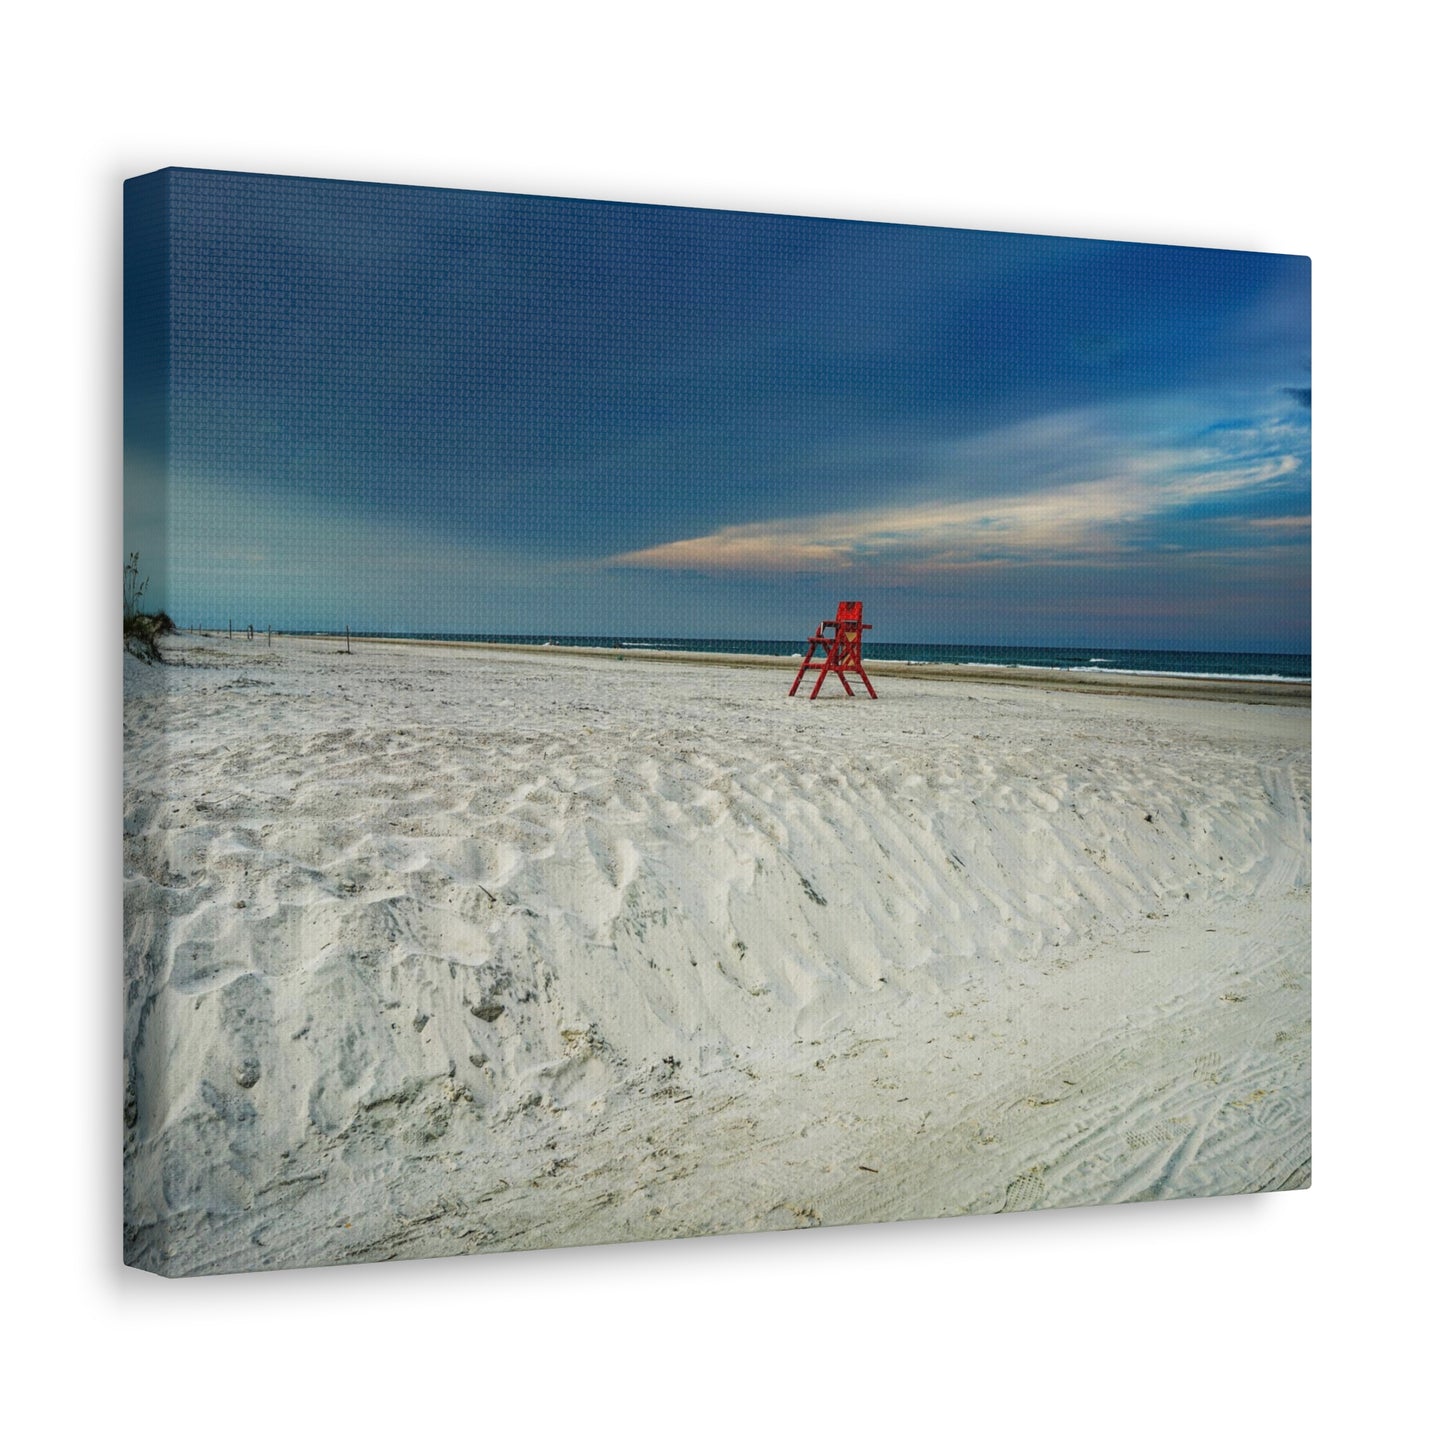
(1255, 691)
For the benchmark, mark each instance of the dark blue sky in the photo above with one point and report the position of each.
(414, 409)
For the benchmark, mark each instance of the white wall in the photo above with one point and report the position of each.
(1241, 125)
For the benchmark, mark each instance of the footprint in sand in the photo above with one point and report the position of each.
(1026, 1192)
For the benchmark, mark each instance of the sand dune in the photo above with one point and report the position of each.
(433, 950)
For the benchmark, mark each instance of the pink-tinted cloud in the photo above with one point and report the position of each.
(1087, 521)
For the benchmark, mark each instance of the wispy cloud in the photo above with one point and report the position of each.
(1278, 524)
(1094, 497)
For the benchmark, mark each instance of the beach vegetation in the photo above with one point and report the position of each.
(142, 630)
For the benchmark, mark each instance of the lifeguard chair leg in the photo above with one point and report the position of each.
(807, 659)
(829, 667)
(832, 663)
(867, 683)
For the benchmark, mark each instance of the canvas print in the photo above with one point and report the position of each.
(645, 721)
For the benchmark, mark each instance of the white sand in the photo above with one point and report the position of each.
(433, 950)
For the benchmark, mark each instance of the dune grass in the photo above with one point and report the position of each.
(142, 630)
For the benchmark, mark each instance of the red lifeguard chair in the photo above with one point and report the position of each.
(842, 637)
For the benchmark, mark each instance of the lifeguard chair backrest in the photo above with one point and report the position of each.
(850, 612)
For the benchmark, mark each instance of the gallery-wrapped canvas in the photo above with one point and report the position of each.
(644, 721)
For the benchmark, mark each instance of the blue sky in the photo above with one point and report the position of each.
(413, 409)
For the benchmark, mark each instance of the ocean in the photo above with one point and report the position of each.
(1243, 666)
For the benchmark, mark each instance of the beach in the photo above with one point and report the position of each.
(434, 949)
